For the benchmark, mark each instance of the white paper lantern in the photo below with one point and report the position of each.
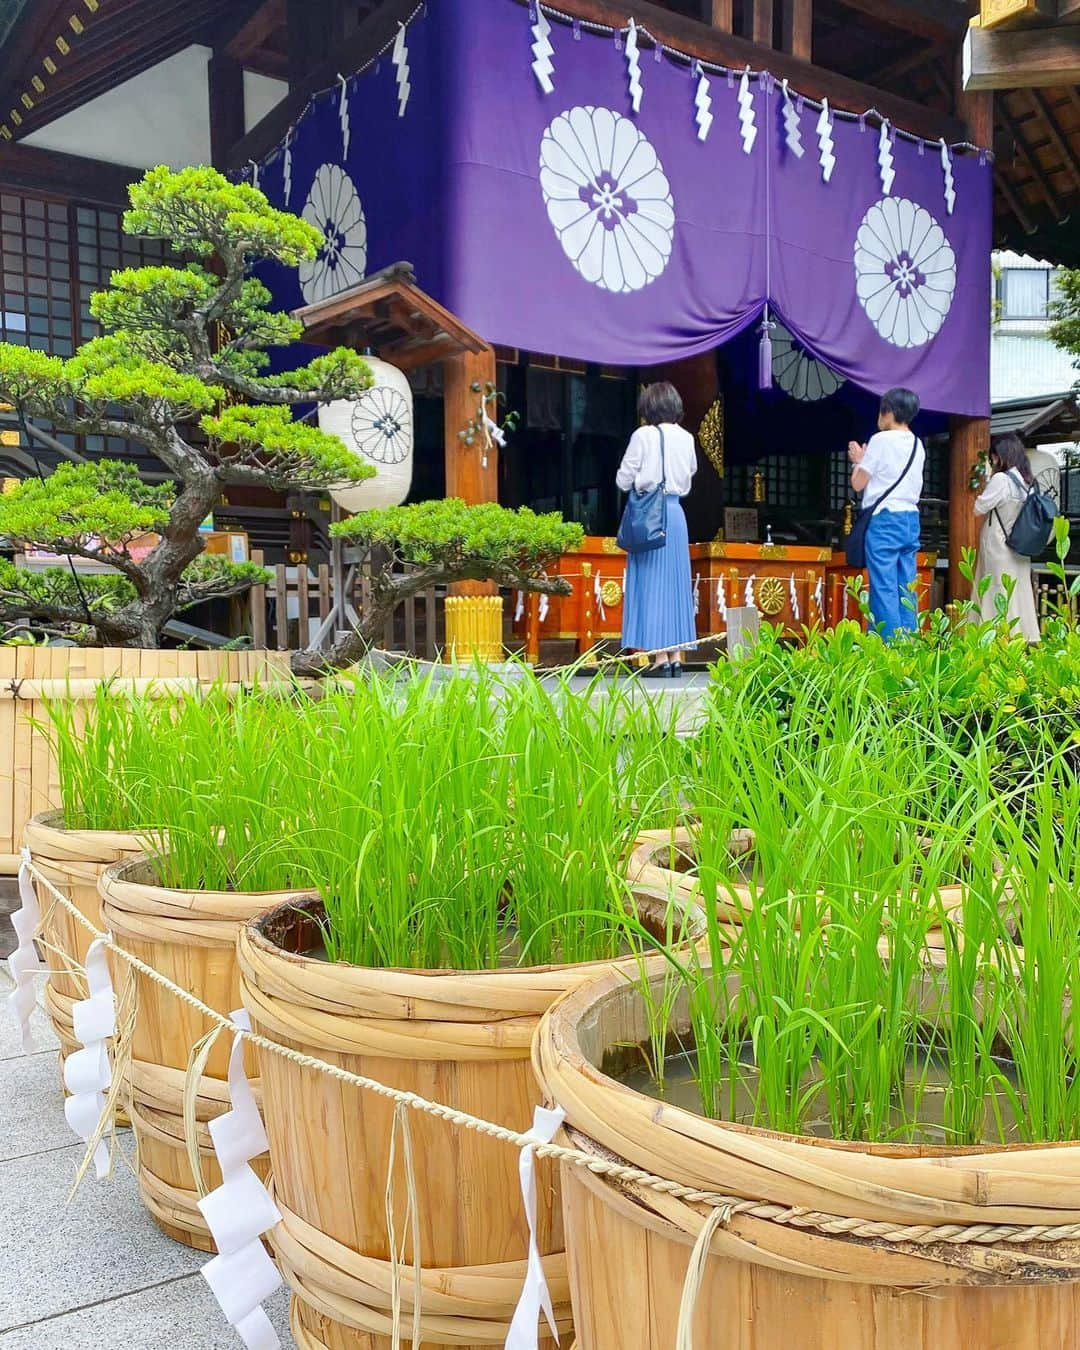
(378, 428)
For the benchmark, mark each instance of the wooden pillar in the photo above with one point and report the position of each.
(225, 79)
(796, 27)
(970, 436)
(465, 378)
(761, 29)
(719, 13)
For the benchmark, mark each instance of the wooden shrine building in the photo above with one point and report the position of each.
(730, 112)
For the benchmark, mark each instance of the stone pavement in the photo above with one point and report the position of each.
(90, 1271)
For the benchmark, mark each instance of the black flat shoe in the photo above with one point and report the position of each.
(675, 670)
(657, 672)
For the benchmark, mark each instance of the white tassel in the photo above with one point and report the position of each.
(826, 145)
(343, 117)
(23, 963)
(399, 58)
(240, 1210)
(885, 158)
(794, 596)
(633, 67)
(87, 1072)
(535, 1296)
(543, 67)
(747, 129)
(703, 116)
(792, 134)
(947, 170)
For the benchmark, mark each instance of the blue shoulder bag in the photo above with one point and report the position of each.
(644, 520)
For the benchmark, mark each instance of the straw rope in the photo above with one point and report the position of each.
(978, 1234)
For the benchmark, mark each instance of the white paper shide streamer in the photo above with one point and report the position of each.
(286, 167)
(885, 158)
(242, 1275)
(792, 134)
(633, 67)
(793, 596)
(519, 608)
(819, 597)
(826, 145)
(543, 67)
(751, 603)
(343, 117)
(747, 129)
(399, 58)
(598, 596)
(721, 599)
(697, 592)
(703, 117)
(947, 170)
(535, 1296)
(87, 1072)
(23, 963)
(545, 605)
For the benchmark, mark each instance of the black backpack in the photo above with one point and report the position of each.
(1033, 527)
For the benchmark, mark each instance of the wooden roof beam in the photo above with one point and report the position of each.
(1013, 202)
(940, 20)
(1058, 138)
(1027, 153)
(1023, 58)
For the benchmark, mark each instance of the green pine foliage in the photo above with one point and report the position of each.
(1065, 312)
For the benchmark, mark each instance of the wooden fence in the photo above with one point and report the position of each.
(29, 675)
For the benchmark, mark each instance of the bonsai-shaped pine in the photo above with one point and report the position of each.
(179, 372)
(442, 542)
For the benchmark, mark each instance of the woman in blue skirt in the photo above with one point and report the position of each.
(658, 608)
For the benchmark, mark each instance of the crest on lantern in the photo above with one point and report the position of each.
(378, 428)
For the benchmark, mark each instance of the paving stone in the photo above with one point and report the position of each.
(32, 1108)
(181, 1315)
(10, 1042)
(57, 1256)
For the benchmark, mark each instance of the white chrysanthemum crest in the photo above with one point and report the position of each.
(343, 117)
(747, 129)
(334, 208)
(826, 145)
(543, 67)
(399, 58)
(947, 170)
(703, 116)
(885, 158)
(905, 271)
(792, 134)
(799, 374)
(633, 67)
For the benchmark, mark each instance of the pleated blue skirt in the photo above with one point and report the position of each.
(658, 609)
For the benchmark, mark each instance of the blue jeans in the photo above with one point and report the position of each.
(892, 547)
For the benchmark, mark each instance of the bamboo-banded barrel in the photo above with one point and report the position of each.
(73, 861)
(829, 1244)
(189, 937)
(460, 1038)
(665, 861)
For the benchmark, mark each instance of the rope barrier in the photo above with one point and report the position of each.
(731, 1206)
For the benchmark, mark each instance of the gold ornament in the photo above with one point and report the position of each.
(772, 551)
(757, 487)
(711, 434)
(849, 519)
(609, 545)
(771, 595)
(611, 594)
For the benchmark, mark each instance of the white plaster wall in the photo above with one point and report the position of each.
(158, 117)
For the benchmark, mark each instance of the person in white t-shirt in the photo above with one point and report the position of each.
(889, 473)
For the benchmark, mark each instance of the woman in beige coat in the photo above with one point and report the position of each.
(1000, 503)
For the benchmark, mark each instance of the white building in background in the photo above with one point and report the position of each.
(1024, 363)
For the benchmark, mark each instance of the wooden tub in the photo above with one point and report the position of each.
(827, 1278)
(461, 1038)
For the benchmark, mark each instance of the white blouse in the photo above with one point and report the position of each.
(1000, 488)
(640, 467)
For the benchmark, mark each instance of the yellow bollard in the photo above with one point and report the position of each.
(474, 628)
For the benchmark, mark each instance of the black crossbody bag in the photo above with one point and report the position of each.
(855, 547)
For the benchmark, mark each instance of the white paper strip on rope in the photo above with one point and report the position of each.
(87, 1072)
(598, 596)
(751, 603)
(947, 170)
(23, 964)
(343, 117)
(793, 595)
(519, 608)
(287, 166)
(633, 67)
(721, 600)
(239, 1211)
(545, 605)
(885, 158)
(703, 117)
(792, 134)
(400, 60)
(535, 1297)
(254, 173)
(697, 592)
(819, 598)
(747, 129)
(543, 67)
(826, 145)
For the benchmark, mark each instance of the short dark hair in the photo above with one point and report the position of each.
(658, 403)
(902, 403)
